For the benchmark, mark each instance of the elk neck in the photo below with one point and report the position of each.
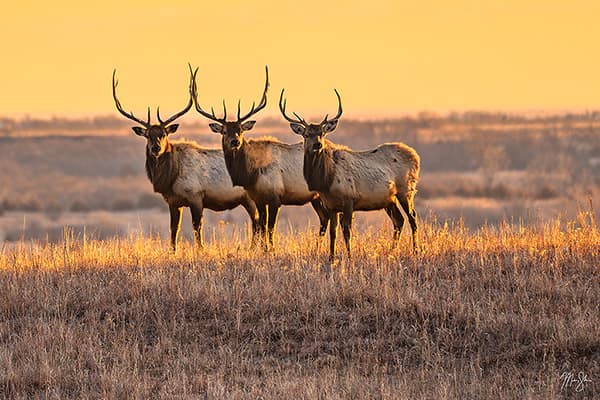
(319, 169)
(240, 166)
(163, 171)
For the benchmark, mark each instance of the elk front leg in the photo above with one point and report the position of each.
(175, 224)
(196, 211)
(333, 223)
(262, 224)
(273, 213)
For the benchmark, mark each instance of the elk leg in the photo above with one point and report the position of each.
(409, 208)
(323, 215)
(262, 224)
(273, 213)
(347, 217)
(333, 223)
(393, 210)
(175, 224)
(196, 211)
(252, 211)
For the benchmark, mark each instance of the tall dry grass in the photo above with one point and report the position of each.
(497, 313)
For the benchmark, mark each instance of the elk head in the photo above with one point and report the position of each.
(313, 134)
(232, 131)
(155, 134)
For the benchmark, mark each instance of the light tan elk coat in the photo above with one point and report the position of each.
(186, 174)
(382, 178)
(270, 171)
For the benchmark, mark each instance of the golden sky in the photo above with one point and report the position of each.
(385, 57)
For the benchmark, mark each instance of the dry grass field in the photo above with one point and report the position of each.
(502, 312)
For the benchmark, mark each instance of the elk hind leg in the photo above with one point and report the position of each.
(252, 211)
(347, 217)
(393, 211)
(323, 215)
(408, 206)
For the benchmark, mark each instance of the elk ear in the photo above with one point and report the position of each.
(297, 128)
(172, 128)
(330, 126)
(216, 128)
(246, 126)
(139, 131)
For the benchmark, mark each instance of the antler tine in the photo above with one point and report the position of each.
(299, 118)
(263, 100)
(127, 115)
(188, 105)
(194, 94)
(282, 105)
(339, 113)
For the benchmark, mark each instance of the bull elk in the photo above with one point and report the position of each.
(270, 171)
(382, 178)
(186, 174)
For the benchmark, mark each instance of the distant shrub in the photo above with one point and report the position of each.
(80, 206)
(53, 210)
(32, 204)
(500, 191)
(546, 192)
(129, 170)
(123, 204)
(150, 200)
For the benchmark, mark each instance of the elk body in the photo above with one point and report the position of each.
(382, 178)
(270, 171)
(185, 174)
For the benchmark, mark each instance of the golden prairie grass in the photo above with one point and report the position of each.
(502, 312)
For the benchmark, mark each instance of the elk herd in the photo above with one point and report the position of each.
(264, 174)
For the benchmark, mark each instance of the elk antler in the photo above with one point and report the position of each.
(261, 105)
(186, 108)
(339, 113)
(130, 115)
(282, 105)
(194, 95)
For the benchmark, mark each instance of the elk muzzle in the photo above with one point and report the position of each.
(234, 143)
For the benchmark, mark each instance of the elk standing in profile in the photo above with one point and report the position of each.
(347, 181)
(269, 170)
(185, 174)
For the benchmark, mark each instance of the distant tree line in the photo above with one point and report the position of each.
(422, 120)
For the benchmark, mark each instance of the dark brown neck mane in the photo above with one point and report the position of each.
(319, 169)
(241, 169)
(162, 171)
